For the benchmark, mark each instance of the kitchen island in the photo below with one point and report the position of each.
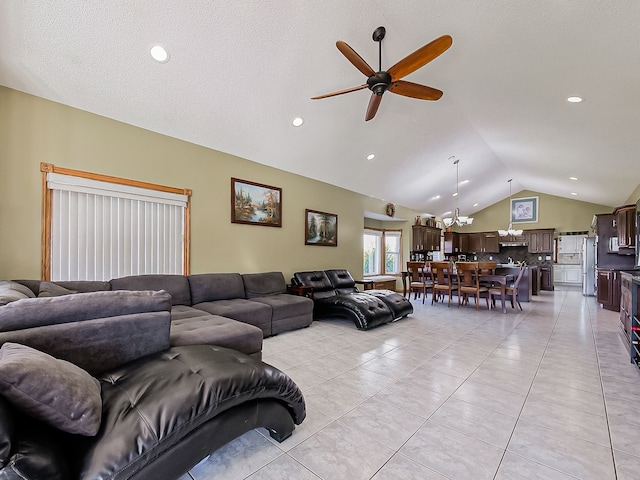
(525, 290)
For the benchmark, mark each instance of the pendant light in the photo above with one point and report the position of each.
(457, 219)
(510, 230)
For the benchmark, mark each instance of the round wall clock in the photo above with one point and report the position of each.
(391, 209)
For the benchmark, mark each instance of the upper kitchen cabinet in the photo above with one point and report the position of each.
(484, 242)
(540, 241)
(570, 244)
(626, 225)
(426, 239)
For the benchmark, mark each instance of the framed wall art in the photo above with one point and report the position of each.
(524, 210)
(320, 228)
(255, 204)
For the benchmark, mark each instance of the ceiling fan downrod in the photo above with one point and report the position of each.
(380, 81)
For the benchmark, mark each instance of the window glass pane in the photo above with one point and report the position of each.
(372, 252)
(392, 245)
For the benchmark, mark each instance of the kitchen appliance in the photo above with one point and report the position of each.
(589, 266)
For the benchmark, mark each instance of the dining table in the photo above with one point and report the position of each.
(501, 279)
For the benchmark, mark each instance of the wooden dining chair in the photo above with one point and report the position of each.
(442, 277)
(419, 279)
(469, 284)
(487, 268)
(511, 291)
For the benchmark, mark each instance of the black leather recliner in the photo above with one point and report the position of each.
(335, 295)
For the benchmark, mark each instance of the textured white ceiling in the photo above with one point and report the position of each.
(241, 70)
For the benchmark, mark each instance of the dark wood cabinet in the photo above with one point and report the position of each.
(536, 280)
(626, 280)
(484, 242)
(626, 225)
(452, 242)
(425, 239)
(546, 278)
(608, 289)
(540, 241)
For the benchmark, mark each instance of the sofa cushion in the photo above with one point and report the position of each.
(285, 305)
(49, 289)
(176, 285)
(247, 311)
(71, 327)
(35, 312)
(342, 280)
(51, 390)
(263, 284)
(209, 287)
(12, 291)
(205, 329)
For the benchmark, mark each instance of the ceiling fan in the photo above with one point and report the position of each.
(381, 81)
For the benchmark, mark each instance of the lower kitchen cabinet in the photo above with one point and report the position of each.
(546, 278)
(608, 289)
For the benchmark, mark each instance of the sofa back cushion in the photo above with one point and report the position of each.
(78, 286)
(95, 331)
(176, 285)
(263, 284)
(13, 291)
(322, 286)
(209, 287)
(342, 280)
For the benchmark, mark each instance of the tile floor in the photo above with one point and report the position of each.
(448, 393)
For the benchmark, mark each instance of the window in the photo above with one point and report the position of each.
(379, 260)
(97, 227)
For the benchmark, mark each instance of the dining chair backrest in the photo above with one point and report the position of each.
(415, 270)
(487, 268)
(441, 272)
(467, 273)
(516, 284)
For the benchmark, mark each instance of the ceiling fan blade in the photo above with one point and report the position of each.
(374, 103)
(354, 58)
(414, 90)
(333, 94)
(420, 57)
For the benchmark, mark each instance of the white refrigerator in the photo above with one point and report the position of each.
(589, 266)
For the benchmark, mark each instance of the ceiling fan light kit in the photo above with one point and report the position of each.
(510, 230)
(457, 219)
(381, 81)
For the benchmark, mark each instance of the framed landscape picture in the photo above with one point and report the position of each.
(255, 204)
(524, 210)
(320, 228)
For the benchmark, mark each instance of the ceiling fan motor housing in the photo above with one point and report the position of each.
(379, 82)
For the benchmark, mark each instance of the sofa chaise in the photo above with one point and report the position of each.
(335, 295)
(91, 388)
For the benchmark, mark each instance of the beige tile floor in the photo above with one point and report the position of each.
(448, 393)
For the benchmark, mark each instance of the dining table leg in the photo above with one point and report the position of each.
(503, 295)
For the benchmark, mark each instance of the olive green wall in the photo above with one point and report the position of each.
(562, 214)
(33, 130)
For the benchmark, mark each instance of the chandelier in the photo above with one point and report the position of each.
(510, 230)
(457, 219)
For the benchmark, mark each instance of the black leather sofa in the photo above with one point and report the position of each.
(335, 295)
(163, 409)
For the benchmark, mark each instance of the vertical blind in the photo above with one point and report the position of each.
(102, 230)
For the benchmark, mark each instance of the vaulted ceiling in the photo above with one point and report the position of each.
(240, 71)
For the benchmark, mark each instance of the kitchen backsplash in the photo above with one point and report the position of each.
(518, 254)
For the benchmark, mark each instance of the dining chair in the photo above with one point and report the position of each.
(442, 277)
(419, 279)
(487, 268)
(511, 291)
(467, 274)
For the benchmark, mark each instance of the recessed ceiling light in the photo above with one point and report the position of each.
(159, 54)
(573, 178)
(574, 193)
(435, 197)
(574, 99)
(446, 213)
(475, 204)
(371, 156)
(297, 121)
(455, 194)
(464, 181)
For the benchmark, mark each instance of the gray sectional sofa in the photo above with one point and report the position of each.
(230, 310)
